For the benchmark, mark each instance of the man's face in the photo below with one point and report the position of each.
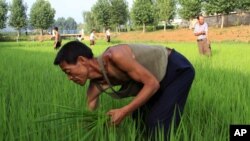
(201, 20)
(76, 72)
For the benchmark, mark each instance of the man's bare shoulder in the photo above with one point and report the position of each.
(121, 56)
(119, 51)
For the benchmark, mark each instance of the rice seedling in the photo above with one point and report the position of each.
(77, 117)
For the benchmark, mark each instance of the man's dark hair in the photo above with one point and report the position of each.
(56, 28)
(71, 51)
(198, 17)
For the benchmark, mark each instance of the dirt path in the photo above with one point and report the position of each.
(239, 33)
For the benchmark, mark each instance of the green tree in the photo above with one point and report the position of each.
(42, 15)
(101, 12)
(142, 13)
(189, 8)
(18, 17)
(165, 10)
(120, 13)
(80, 27)
(3, 13)
(243, 5)
(60, 23)
(222, 7)
(89, 21)
(70, 24)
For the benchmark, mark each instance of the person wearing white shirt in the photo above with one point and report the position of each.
(201, 31)
(81, 36)
(92, 38)
(108, 35)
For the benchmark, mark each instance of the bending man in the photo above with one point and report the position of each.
(158, 78)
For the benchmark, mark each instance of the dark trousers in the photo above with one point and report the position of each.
(108, 38)
(58, 45)
(168, 102)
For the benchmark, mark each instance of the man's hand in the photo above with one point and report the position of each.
(200, 33)
(117, 115)
(203, 33)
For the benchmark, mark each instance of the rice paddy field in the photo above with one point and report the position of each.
(38, 103)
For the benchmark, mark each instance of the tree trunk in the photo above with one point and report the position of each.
(190, 24)
(144, 28)
(41, 32)
(164, 25)
(18, 34)
(217, 20)
(116, 30)
(128, 28)
(222, 20)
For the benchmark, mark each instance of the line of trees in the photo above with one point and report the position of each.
(66, 24)
(115, 13)
(105, 14)
(41, 15)
(191, 8)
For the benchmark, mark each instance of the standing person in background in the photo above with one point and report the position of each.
(79, 38)
(92, 38)
(58, 40)
(201, 31)
(82, 34)
(53, 32)
(108, 35)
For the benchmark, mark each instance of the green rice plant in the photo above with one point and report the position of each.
(87, 120)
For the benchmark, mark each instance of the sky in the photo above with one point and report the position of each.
(68, 8)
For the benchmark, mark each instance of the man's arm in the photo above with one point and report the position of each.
(122, 57)
(206, 31)
(92, 96)
(196, 32)
(199, 33)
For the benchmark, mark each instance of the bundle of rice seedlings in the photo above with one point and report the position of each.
(80, 118)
